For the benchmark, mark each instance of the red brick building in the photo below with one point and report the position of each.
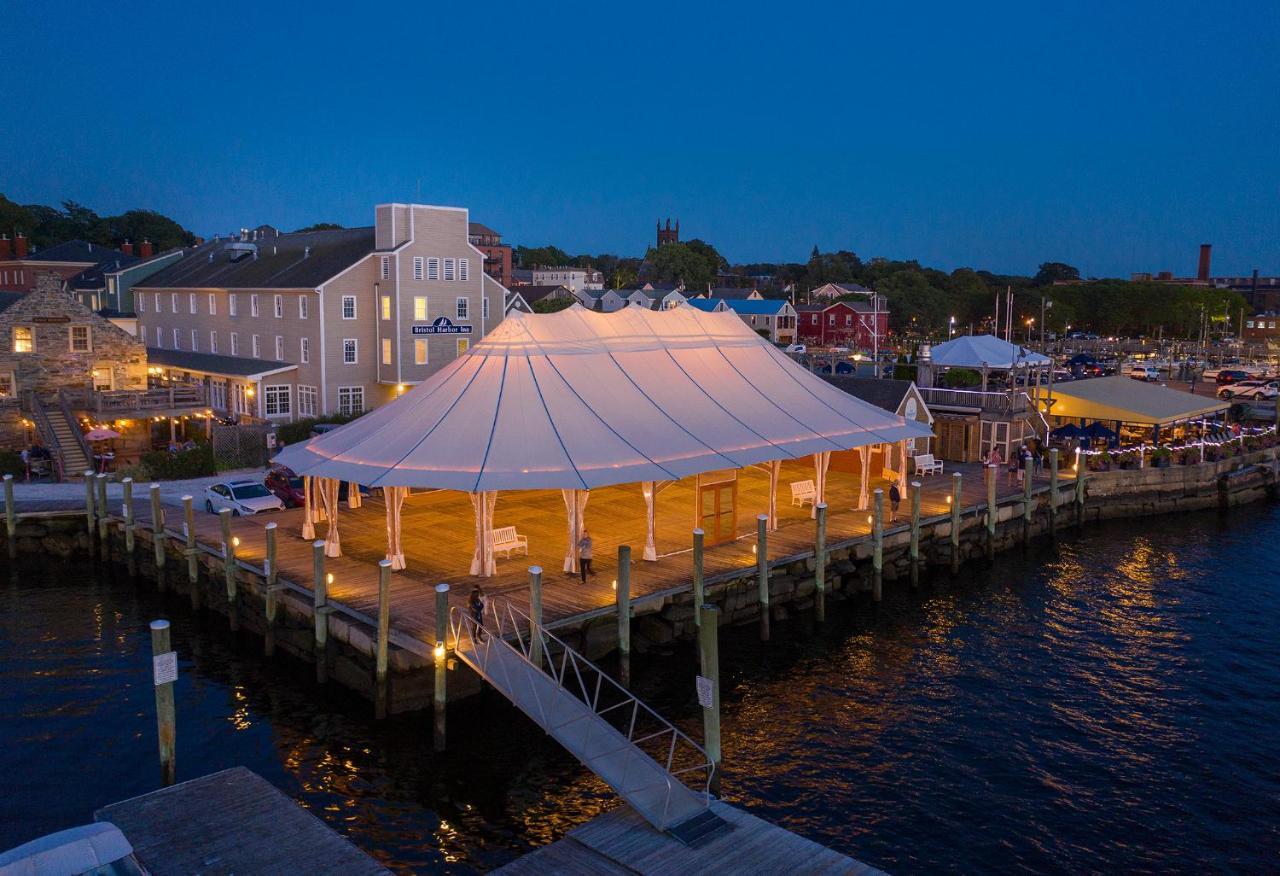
(843, 323)
(497, 255)
(19, 264)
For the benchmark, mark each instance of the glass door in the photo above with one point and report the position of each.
(719, 520)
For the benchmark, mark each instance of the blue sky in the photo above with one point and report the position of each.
(1114, 136)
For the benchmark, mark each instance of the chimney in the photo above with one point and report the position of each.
(1203, 273)
(19, 246)
(126, 248)
(5, 251)
(147, 249)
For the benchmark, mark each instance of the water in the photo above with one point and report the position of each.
(1109, 705)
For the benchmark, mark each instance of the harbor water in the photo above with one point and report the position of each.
(1111, 703)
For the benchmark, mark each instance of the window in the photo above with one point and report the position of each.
(304, 350)
(450, 266)
(213, 342)
(195, 342)
(24, 339)
(433, 269)
(276, 399)
(386, 307)
(1248, 323)
(417, 267)
(279, 305)
(484, 307)
(142, 304)
(348, 307)
(235, 344)
(419, 351)
(177, 344)
(213, 304)
(231, 304)
(303, 305)
(463, 272)
(279, 348)
(848, 319)
(831, 319)
(463, 308)
(191, 302)
(386, 268)
(386, 351)
(173, 301)
(349, 351)
(307, 401)
(253, 306)
(6, 384)
(159, 337)
(256, 347)
(350, 400)
(463, 345)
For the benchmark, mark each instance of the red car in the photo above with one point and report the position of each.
(1227, 376)
(285, 486)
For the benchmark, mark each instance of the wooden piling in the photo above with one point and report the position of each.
(320, 610)
(820, 562)
(709, 651)
(104, 510)
(384, 633)
(877, 544)
(1028, 470)
(271, 594)
(762, 572)
(439, 699)
(1053, 492)
(955, 522)
(698, 583)
(1081, 465)
(166, 723)
(914, 548)
(993, 509)
(88, 504)
(157, 533)
(127, 508)
(623, 604)
(229, 563)
(535, 616)
(10, 517)
(191, 551)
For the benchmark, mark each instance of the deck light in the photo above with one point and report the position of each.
(235, 541)
(948, 500)
(438, 650)
(328, 579)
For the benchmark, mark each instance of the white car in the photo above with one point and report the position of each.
(1257, 390)
(797, 348)
(243, 497)
(93, 848)
(1148, 373)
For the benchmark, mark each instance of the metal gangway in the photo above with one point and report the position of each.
(636, 751)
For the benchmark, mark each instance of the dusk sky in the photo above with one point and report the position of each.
(1113, 136)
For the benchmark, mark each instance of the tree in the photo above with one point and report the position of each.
(1055, 272)
(551, 305)
(694, 263)
(541, 256)
(321, 226)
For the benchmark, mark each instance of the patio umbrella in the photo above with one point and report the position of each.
(101, 435)
(1098, 432)
(1070, 430)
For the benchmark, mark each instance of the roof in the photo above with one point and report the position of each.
(94, 277)
(211, 363)
(979, 351)
(477, 228)
(706, 305)
(758, 306)
(7, 299)
(579, 399)
(76, 251)
(537, 293)
(730, 294)
(1129, 401)
(301, 260)
(887, 394)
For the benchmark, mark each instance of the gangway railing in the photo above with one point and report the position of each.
(640, 754)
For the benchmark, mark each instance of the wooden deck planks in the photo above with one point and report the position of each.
(232, 822)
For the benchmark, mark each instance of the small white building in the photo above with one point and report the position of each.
(772, 318)
(576, 279)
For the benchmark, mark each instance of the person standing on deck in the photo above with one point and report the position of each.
(584, 555)
(895, 498)
(476, 605)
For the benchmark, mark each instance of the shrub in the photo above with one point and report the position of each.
(165, 466)
(958, 378)
(11, 463)
(292, 433)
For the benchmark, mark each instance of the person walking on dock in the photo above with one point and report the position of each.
(895, 498)
(476, 605)
(584, 555)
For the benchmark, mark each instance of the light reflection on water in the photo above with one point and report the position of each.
(1109, 705)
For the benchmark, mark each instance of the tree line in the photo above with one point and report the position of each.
(46, 225)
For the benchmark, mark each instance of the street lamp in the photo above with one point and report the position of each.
(951, 328)
(1031, 321)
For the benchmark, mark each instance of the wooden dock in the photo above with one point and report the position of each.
(232, 822)
(621, 843)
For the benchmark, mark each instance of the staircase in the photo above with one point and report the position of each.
(634, 750)
(61, 433)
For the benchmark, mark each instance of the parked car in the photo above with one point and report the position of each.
(797, 348)
(1227, 376)
(92, 848)
(243, 497)
(1258, 390)
(285, 486)
(1148, 373)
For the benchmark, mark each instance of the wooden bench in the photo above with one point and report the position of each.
(927, 465)
(506, 540)
(803, 491)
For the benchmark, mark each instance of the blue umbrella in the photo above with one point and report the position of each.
(1070, 430)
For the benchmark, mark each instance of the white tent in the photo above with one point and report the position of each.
(577, 400)
(984, 351)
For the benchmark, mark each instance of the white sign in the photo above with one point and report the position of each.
(704, 692)
(164, 668)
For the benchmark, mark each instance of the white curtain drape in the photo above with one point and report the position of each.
(864, 454)
(308, 509)
(775, 468)
(820, 463)
(575, 504)
(353, 495)
(650, 547)
(394, 497)
(483, 562)
(329, 493)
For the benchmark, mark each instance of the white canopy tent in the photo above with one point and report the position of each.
(985, 351)
(577, 399)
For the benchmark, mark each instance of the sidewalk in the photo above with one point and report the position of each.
(171, 492)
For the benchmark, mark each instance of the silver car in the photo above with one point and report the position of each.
(243, 497)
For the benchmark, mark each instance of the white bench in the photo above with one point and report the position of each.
(803, 491)
(506, 540)
(927, 465)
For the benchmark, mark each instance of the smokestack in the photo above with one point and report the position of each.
(19, 246)
(1203, 273)
(126, 248)
(147, 249)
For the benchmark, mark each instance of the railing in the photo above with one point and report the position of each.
(47, 435)
(996, 402)
(74, 425)
(645, 730)
(115, 401)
